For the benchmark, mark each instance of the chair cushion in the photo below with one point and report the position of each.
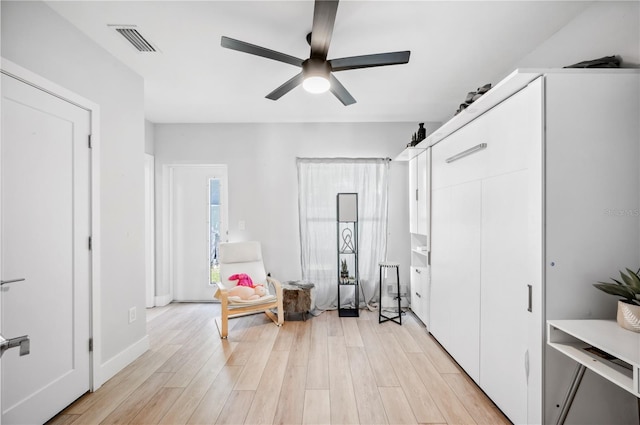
(241, 257)
(240, 252)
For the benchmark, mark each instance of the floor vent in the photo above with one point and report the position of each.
(135, 38)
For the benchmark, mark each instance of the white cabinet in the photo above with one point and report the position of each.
(419, 226)
(534, 197)
(419, 194)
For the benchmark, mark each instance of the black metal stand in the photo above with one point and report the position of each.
(381, 317)
(347, 238)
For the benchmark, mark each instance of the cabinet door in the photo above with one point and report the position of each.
(422, 225)
(511, 255)
(504, 294)
(413, 194)
(455, 268)
(442, 266)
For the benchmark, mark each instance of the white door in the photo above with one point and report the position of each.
(45, 230)
(191, 235)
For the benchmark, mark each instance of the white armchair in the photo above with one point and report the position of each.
(245, 258)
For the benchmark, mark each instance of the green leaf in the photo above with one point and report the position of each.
(626, 279)
(635, 280)
(609, 283)
(617, 290)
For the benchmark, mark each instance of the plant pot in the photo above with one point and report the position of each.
(629, 316)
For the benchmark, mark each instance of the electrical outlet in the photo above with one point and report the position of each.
(132, 314)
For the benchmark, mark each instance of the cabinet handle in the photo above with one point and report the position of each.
(416, 194)
(530, 289)
(418, 271)
(468, 152)
(419, 296)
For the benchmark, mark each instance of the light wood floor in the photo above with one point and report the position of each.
(326, 370)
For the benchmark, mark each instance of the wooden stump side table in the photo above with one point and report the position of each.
(296, 297)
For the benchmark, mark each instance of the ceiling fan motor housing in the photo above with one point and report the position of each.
(314, 67)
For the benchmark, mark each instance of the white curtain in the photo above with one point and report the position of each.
(319, 182)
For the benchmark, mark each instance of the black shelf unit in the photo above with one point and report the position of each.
(347, 248)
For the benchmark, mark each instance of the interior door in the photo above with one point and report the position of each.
(45, 219)
(190, 229)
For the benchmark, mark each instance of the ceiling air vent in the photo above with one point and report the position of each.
(134, 37)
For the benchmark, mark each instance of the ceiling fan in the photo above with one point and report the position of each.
(317, 72)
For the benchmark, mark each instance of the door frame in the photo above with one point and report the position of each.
(150, 226)
(167, 219)
(16, 71)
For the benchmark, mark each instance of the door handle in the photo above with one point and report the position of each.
(4, 282)
(22, 341)
(468, 152)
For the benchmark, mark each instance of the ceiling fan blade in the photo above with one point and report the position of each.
(295, 81)
(252, 49)
(368, 61)
(340, 92)
(324, 16)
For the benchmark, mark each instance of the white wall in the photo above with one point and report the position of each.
(38, 39)
(606, 28)
(263, 187)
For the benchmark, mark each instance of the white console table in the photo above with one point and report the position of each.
(618, 360)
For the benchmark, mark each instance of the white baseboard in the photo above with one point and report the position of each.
(163, 300)
(114, 365)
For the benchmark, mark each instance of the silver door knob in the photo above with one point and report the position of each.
(22, 341)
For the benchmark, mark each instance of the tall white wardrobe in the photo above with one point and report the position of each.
(535, 196)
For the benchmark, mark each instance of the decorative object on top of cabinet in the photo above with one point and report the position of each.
(422, 132)
(419, 136)
(472, 96)
(603, 62)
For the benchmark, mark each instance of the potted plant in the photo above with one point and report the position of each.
(628, 315)
(344, 272)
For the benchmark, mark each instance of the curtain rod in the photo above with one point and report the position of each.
(338, 159)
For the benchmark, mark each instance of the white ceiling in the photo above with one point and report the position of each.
(455, 47)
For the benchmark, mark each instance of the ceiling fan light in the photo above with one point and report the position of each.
(316, 75)
(316, 84)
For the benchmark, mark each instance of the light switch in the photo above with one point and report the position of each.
(241, 225)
